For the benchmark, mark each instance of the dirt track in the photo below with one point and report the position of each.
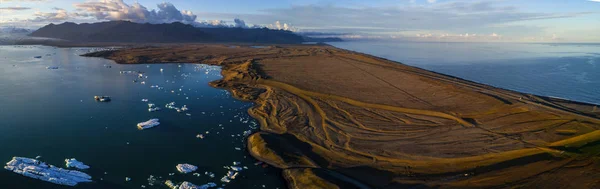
(388, 125)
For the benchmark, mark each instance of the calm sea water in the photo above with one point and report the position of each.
(52, 113)
(570, 71)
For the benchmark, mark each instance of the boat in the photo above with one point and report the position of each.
(37, 57)
(148, 124)
(102, 98)
(52, 67)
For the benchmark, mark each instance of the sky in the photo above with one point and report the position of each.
(411, 20)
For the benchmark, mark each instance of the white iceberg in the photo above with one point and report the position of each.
(188, 185)
(186, 168)
(153, 109)
(148, 124)
(235, 168)
(39, 170)
(182, 109)
(74, 163)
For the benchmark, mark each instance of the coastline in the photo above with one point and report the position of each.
(315, 116)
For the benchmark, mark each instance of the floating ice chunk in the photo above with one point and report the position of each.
(236, 168)
(148, 124)
(210, 174)
(153, 109)
(186, 168)
(102, 98)
(39, 170)
(225, 179)
(200, 136)
(74, 163)
(189, 185)
(182, 109)
(171, 185)
(170, 105)
(127, 179)
(145, 100)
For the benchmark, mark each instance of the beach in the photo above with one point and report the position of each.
(333, 118)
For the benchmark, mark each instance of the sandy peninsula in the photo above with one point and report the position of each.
(332, 118)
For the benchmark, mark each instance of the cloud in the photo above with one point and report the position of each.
(239, 23)
(454, 18)
(14, 8)
(59, 15)
(119, 10)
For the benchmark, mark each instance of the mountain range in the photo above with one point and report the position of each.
(131, 32)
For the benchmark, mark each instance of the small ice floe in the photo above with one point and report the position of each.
(186, 168)
(182, 109)
(144, 100)
(74, 163)
(188, 114)
(102, 98)
(210, 174)
(188, 185)
(235, 168)
(143, 82)
(148, 124)
(152, 180)
(154, 109)
(161, 70)
(52, 67)
(39, 170)
(38, 157)
(127, 179)
(171, 185)
(171, 105)
(129, 72)
(200, 136)
(225, 179)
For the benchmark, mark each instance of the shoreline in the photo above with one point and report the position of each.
(301, 117)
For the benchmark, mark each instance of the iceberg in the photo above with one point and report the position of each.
(39, 170)
(188, 185)
(235, 168)
(102, 98)
(74, 163)
(148, 124)
(153, 109)
(186, 168)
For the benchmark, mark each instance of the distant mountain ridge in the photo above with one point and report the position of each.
(130, 32)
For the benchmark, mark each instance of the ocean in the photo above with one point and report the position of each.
(52, 113)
